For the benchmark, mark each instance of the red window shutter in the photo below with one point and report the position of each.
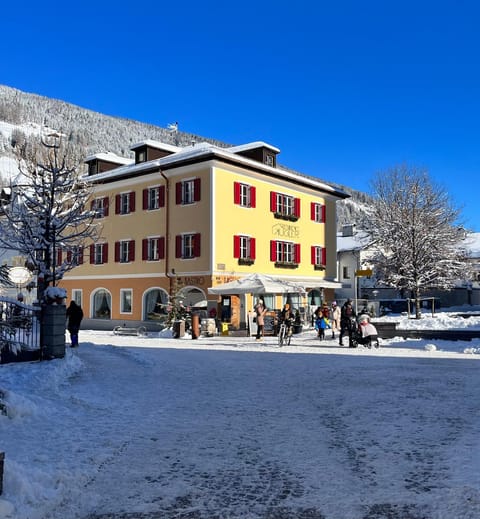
(145, 199)
(161, 196)
(80, 256)
(253, 197)
(131, 201)
(59, 257)
(92, 205)
(178, 193)
(252, 248)
(273, 250)
(178, 246)
(105, 253)
(324, 213)
(313, 255)
(69, 256)
(131, 250)
(313, 206)
(92, 253)
(236, 246)
(117, 251)
(117, 204)
(296, 207)
(105, 206)
(236, 193)
(144, 249)
(296, 249)
(196, 190)
(161, 248)
(196, 245)
(273, 201)
(324, 256)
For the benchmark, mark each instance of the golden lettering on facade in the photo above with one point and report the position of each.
(284, 230)
(191, 280)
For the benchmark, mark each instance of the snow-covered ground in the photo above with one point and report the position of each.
(226, 427)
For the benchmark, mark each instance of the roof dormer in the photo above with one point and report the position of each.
(258, 151)
(152, 150)
(101, 162)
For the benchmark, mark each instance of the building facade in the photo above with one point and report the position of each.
(182, 220)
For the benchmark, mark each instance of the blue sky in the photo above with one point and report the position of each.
(345, 89)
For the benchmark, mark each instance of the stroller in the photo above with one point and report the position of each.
(356, 337)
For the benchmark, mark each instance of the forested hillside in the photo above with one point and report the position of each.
(93, 132)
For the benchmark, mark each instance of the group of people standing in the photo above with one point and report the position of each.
(342, 320)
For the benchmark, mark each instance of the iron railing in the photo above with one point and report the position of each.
(19, 328)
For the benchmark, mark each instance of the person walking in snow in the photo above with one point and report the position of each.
(74, 316)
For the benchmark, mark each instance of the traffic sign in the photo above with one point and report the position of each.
(366, 272)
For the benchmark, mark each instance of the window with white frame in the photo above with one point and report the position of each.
(244, 248)
(318, 212)
(346, 272)
(99, 253)
(285, 253)
(75, 255)
(187, 191)
(244, 194)
(187, 246)
(77, 296)
(153, 249)
(318, 256)
(124, 203)
(284, 206)
(126, 300)
(154, 198)
(125, 251)
(99, 207)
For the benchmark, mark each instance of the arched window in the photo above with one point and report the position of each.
(102, 304)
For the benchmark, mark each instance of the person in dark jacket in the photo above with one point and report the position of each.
(347, 314)
(74, 316)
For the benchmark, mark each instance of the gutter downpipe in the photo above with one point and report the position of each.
(170, 275)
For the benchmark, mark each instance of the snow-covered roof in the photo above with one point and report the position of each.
(156, 144)
(253, 146)
(358, 241)
(110, 157)
(203, 150)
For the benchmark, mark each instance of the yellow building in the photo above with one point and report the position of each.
(186, 219)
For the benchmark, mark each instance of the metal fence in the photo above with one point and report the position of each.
(19, 329)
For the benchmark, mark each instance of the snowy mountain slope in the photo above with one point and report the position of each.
(22, 115)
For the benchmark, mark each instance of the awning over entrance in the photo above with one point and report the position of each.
(258, 284)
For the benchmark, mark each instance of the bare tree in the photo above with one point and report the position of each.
(47, 211)
(417, 235)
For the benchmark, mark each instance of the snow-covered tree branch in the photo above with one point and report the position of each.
(417, 235)
(47, 211)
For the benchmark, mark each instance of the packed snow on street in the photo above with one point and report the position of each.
(228, 427)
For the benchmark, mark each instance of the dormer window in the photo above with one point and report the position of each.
(142, 156)
(93, 167)
(269, 160)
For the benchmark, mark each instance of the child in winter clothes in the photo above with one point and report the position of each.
(321, 324)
